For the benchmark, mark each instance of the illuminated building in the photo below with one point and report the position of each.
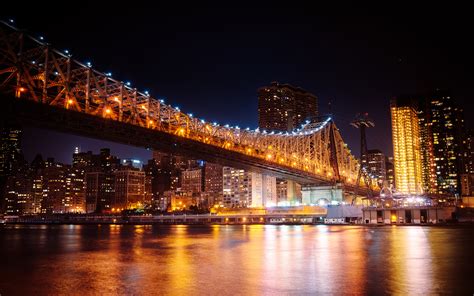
(376, 164)
(283, 107)
(389, 172)
(54, 187)
(95, 162)
(132, 163)
(10, 149)
(213, 178)
(129, 188)
(192, 180)
(428, 166)
(10, 144)
(467, 184)
(100, 190)
(406, 147)
(447, 127)
(243, 189)
(75, 199)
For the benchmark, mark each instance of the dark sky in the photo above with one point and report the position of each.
(210, 60)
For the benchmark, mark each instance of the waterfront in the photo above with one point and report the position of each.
(238, 259)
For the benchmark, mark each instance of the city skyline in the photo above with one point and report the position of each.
(356, 72)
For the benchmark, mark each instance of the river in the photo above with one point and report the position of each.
(235, 260)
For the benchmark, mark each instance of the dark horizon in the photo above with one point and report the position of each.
(211, 61)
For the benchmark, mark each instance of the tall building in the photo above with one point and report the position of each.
(75, 195)
(54, 187)
(129, 188)
(99, 192)
(10, 149)
(243, 189)
(10, 145)
(406, 146)
(213, 178)
(428, 166)
(283, 107)
(376, 164)
(389, 172)
(447, 126)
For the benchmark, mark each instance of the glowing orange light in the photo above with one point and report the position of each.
(22, 89)
(108, 110)
(150, 122)
(269, 156)
(70, 101)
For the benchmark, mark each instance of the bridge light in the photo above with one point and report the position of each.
(162, 101)
(237, 127)
(177, 108)
(190, 114)
(128, 83)
(269, 156)
(89, 64)
(108, 111)
(109, 74)
(150, 122)
(147, 93)
(21, 89)
(41, 38)
(214, 123)
(227, 126)
(116, 99)
(11, 21)
(66, 51)
(247, 129)
(70, 101)
(202, 121)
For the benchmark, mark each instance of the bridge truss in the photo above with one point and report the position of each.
(31, 69)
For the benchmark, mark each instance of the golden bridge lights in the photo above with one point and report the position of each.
(305, 149)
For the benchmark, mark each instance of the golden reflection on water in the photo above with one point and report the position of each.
(224, 259)
(409, 260)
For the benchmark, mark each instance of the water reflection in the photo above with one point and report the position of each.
(250, 259)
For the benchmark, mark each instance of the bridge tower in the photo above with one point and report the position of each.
(362, 121)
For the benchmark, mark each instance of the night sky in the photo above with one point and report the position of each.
(210, 60)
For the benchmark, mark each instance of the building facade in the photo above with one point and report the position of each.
(283, 107)
(376, 165)
(129, 189)
(406, 146)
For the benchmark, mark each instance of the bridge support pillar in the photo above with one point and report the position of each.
(322, 195)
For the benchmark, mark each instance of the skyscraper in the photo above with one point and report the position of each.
(406, 146)
(447, 127)
(376, 164)
(283, 107)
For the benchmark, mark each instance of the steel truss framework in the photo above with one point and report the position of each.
(32, 69)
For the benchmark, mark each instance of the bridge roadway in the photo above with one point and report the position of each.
(22, 112)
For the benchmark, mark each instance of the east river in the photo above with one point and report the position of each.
(235, 260)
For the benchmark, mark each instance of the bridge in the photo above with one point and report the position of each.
(45, 87)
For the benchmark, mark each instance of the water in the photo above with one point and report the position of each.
(235, 260)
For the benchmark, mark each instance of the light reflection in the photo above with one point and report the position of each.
(233, 259)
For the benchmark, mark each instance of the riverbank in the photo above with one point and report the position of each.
(203, 219)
